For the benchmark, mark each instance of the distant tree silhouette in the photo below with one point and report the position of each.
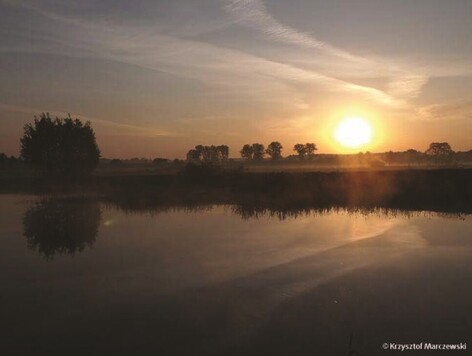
(59, 226)
(274, 150)
(441, 152)
(301, 150)
(439, 149)
(193, 155)
(223, 153)
(66, 147)
(310, 148)
(208, 154)
(258, 151)
(199, 151)
(247, 152)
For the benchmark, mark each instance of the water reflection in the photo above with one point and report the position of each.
(276, 207)
(67, 225)
(61, 226)
(238, 279)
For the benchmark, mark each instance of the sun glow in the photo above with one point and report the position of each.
(353, 132)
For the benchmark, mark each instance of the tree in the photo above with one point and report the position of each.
(439, 149)
(247, 152)
(258, 151)
(300, 149)
(223, 153)
(441, 152)
(208, 154)
(310, 149)
(65, 147)
(193, 155)
(274, 150)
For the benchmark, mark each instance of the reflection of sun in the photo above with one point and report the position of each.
(353, 132)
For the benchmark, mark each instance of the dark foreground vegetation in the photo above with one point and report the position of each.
(440, 190)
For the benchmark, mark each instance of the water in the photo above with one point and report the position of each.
(83, 277)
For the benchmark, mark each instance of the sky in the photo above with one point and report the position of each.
(156, 78)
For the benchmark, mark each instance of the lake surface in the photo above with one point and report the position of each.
(83, 277)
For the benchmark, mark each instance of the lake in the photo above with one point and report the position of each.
(81, 276)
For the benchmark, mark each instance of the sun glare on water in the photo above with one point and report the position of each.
(353, 132)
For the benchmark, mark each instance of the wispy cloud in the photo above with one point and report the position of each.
(231, 71)
(450, 111)
(254, 14)
(120, 128)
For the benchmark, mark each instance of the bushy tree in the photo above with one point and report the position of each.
(310, 148)
(247, 152)
(439, 149)
(274, 150)
(208, 154)
(258, 151)
(61, 146)
(223, 152)
(300, 149)
(193, 155)
(441, 152)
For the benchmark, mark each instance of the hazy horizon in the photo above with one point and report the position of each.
(156, 78)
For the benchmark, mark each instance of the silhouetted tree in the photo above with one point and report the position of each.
(310, 148)
(300, 149)
(274, 150)
(247, 152)
(208, 154)
(223, 153)
(199, 151)
(441, 152)
(193, 155)
(59, 226)
(60, 146)
(258, 151)
(439, 149)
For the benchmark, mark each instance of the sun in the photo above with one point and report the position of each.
(353, 132)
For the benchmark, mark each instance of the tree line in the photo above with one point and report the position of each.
(249, 152)
(67, 147)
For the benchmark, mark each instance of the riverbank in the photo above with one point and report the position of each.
(441, 190)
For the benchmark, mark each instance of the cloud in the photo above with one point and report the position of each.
(446, 112)
(230, 71)
(119, 128)
(254, 14)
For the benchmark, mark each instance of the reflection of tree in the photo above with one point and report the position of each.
(61, 226)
